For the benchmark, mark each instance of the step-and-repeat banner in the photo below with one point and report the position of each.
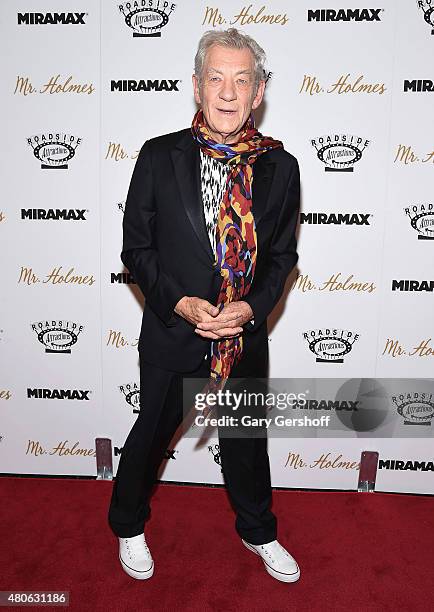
(350, 93)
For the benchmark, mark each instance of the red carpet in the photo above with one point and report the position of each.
(356, 551)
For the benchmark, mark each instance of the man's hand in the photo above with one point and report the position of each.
(228, 323)
(195, 310)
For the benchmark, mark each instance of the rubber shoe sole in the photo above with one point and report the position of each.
(278, 575)
(139, 575)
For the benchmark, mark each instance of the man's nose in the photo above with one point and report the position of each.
(228, 91)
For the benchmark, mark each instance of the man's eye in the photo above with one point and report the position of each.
(214, 78)
(242, 81)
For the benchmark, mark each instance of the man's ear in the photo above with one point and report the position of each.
(195, 82)
(259, 94)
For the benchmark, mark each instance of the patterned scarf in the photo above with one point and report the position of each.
(236, 241)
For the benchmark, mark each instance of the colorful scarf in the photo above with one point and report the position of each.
(236, 241)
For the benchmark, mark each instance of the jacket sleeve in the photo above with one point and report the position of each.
(281, 258)
(139, 254)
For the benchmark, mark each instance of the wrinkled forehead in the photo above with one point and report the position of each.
(220, 58)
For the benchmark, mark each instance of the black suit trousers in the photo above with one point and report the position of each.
(244, 460)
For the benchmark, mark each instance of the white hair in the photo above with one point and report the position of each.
(234, 39)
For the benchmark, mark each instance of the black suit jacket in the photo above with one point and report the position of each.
(167, 250)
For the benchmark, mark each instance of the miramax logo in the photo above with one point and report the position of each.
(410, 464)
(357, 14)
(146, 18)
(51, 18)
(412, 285)
(422, 220)
(54, 214)
(54, 150)
(144, 85)
(339, 152)
(322, 218)
(330, 345)
(121, 278)
(415, 408)
(418, 85)
(58, 394)
(57, 336)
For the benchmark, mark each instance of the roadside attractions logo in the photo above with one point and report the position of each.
(415, 408)
(57, 336)
(339, 152)
(131, 393)
(54, 150)
(427, 7)
(421, 220)
(146, 18)
(214, 449)
(330, 345)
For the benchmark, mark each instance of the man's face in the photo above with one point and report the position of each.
(227, 93)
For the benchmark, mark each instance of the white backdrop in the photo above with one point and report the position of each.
(360, 79)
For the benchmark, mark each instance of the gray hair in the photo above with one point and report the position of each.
(234, 39)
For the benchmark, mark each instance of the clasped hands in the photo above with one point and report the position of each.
(212, 323)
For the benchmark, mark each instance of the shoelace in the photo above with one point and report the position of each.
(136, 545)
(276, 549)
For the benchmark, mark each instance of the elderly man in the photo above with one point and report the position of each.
(209, 236)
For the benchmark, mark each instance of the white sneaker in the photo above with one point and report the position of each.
(278, 562)
(135, 557)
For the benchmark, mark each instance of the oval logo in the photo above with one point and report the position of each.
(339, 154)
(146, 20)
(423, 223)
(57, 339)
(54, 153)
(417, 411)
(133, 398)
(329, 347)
(429, 16)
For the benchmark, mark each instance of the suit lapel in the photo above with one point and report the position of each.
(186, 162)
(263, 174)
